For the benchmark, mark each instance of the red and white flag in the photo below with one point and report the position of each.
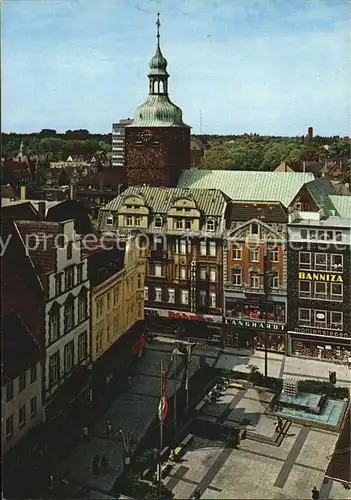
(163, 405)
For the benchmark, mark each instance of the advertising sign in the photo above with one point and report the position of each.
(165, 313)
(254, 324)
(333, 278)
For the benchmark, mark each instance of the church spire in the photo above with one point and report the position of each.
(158, 75)
(158, 24)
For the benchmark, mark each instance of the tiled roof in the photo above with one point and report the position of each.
(44, 255)
(342, 204)
(19, 348)
(248, 186)
(107, 176)
(269, 212)
(159, 199)
(320, 189)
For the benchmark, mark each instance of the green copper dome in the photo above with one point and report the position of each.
(158, 111)
(158, 64)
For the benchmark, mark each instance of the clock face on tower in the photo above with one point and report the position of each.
(145, 136)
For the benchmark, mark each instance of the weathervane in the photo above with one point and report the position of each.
(158, 24)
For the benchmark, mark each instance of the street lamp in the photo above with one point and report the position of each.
(266, 276)
(126, 441)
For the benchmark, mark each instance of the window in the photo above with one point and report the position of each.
(108, 300)
(137, 221)
(9, 427)
(129, 220)
(336, 292)
(338, 235)
(140, 285)
(109, 220)
(203, 249)
(210, 225)
(320, 290)
(274, 282)
(22, 416)
(58, 284)
(69, 278)
(184, 297)
(69, 314)
(98, 341)
(82, 307)
(158, 294)
(33, 373)
(320, 261)
(146, 293)
(178, 223)
(203, 273)
(212, 275)
(22, 382)
(187, 223)
(305, 260)
(69, 251)
(69, 356)
(54, 323)
(274, 255)
(54, 368)
(336, 262)
(213, 248)
(236, 276)
(33, 407)
(212, 299)
(304, 288)
(303, 234)
(158, 270)
(80, 273)
(320, 318)
(312, 234)
(158, 222)
(255, 281)
(236, 253)
(82, 346)
(304, 317)
(182, 272)
(108, 334)
(9, 390)
(254, 228)
(336, 320)
(203, 298)
(171, 295)
(254, 255)
(99, 307)
(183, 247)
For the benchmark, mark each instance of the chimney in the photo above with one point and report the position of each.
(23, 192)
(42, 209)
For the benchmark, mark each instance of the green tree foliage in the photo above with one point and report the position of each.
(50, 145)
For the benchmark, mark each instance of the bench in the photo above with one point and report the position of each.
(187, 439)
(235, 385)
(164, 468)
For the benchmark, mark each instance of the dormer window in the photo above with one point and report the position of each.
(158, 221)
(210, 225)
(254, 228)
(109, 220)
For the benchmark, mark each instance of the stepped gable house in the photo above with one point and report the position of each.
(157, 143)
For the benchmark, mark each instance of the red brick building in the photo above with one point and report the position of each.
(158, 141)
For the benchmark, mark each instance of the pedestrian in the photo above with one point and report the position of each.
(172, 455)
(315, 493)
(85, 433)
(108, 428)
(95, 465)
(197, 494)
(104, 463)
(50, 482)
(279, 425)
(129, 381)
(244, 434)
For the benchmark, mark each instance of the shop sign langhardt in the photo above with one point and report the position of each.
(257, 325)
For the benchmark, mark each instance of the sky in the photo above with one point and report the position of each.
(272, 67)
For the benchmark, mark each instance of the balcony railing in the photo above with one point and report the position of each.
(246, 287)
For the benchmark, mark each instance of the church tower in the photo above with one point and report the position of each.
(158, 141)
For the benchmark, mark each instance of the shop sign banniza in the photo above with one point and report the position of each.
(257, 325)
(336, 278)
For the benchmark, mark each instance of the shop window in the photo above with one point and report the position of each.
(320, 261)
(237, 276)
(304, 289)
(336, 292)
(236, 253)
(336, 263)
(304, 317)
(305, 260)
(320, 290)
(184, 297)
(158, 294)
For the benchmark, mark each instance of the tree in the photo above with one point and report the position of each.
(50, 145)
(47, 132)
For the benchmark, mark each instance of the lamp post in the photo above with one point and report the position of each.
(126, 441)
